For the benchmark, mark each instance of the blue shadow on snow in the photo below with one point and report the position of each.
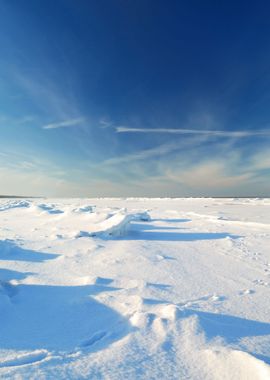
(58, 318)
(139, 231)
(229, 327)
(10, 251)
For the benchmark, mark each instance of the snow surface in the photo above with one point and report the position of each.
(135, 289)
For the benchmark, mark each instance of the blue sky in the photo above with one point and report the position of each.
(134, 98)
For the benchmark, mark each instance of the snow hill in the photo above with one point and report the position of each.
(135, 289)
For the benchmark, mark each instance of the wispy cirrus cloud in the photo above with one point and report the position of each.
(64, 124)
(104, 123)
(143, 154)
(157, 153)
(194, 132)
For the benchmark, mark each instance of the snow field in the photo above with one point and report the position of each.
(135, 289)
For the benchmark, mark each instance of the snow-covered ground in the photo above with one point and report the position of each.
(135, 289)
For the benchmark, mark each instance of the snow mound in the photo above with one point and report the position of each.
(115, 225)
(234, 364)
(143, 216)
(15, 204)
(49, 208)
(84, 209)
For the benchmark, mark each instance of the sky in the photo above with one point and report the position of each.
(134, 98)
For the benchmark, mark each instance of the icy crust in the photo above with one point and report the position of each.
(116, 224)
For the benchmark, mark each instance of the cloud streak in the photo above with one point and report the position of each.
(143, 155)
(64, 124)
(194, 132)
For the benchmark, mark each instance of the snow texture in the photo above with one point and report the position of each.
(135, 289)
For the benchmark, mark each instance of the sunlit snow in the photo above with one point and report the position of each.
(135, 289)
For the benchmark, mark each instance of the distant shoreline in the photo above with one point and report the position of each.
(130, 197)
(17, 196)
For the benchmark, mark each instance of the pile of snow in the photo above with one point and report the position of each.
(115, 224)
(82, 209)
(14, 204)
(49, 208)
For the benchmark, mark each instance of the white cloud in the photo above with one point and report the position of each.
(64, 124)
(60, 102)
(104, 123)
(194, 132)
(159, 152)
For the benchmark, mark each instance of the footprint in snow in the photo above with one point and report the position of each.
(26, 359)
(164, 257)
(246, 292)
(94, 339)
(160, 319)
(7, 289)
(103, 281)
(197, 302)
(158, 286)
(261, 282)
(151, 301)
